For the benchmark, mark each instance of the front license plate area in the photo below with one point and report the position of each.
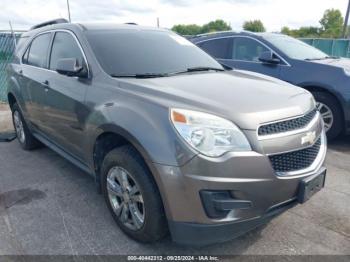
(310, 186)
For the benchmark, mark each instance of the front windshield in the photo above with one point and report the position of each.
(128, 52)
(295, 48)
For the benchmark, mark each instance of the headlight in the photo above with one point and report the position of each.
(210, 135)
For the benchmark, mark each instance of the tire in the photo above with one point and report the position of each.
(126, 161)
(327, 102)
(25, 138)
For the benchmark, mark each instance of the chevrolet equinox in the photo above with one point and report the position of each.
(175, 142)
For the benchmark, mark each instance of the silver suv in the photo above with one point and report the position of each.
(174, 141)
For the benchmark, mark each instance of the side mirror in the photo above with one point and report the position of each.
(269, 58)
(70, 67)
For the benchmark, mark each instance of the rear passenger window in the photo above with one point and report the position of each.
(65, 46)
(37, 55)
(246, 49)
(218, 48)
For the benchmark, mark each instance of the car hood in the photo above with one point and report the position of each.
(340, 62)
(248, 99)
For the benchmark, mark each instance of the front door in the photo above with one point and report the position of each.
(66, 111)
(245, 56)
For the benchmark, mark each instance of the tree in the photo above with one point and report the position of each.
(308, 31)
(192, 29)
(331, 26)
(187, 29)
(332, 23)
(215, 26)
(254, 26)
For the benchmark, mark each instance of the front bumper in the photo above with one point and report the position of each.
(205, 234)
(248, 176)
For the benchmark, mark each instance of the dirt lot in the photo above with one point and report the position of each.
(48, 206)
(5, 118)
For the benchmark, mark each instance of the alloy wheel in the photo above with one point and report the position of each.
(327, 115)
(125, 198)
(19, 127)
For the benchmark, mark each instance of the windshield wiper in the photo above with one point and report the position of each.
(154, 75)
(197, 69)
(146, 75)
(203, 68)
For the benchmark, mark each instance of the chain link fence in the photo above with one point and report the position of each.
(7, 47)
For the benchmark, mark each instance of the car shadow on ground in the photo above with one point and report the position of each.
(341, 144)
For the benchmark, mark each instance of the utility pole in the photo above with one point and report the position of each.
(158, 21)
(69, 11)
(346, 20)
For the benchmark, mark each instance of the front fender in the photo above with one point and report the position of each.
(145, 125)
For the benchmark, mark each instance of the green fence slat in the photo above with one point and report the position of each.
(332, 47)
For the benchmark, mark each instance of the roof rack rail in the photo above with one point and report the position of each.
(51, 22)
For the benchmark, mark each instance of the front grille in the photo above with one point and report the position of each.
(287, 125)
(296, 160)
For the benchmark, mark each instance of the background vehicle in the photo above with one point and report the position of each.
(171, 138)
(291, 60)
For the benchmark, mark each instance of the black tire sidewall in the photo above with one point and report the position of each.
(154, 227)
(332, 103)
(27, 134)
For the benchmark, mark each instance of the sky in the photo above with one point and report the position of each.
(273, 13)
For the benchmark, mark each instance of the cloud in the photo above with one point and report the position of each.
(273, 13)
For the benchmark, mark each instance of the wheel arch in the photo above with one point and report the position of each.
(315, 88)
(109, 138)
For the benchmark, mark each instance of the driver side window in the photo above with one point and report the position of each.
(65, 46)
(246, 49)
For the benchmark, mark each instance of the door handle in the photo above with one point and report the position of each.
(46, 83)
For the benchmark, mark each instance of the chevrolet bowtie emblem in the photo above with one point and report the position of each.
(309, 138)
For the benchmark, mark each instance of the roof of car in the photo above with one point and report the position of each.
(98, 26)
(114, 26)
(227, 33)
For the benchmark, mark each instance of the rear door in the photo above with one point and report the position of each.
(33, 77)
(66, 111)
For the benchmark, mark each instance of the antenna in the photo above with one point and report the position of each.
(68, 11)
(13, 35)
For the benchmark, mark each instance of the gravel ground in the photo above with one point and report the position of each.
(5, 118)
(48, 206)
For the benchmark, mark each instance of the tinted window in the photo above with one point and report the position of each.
(218, 48)
(129, 52)
(294, 48)
(65, 46)
(247, 49)
(38, 50)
